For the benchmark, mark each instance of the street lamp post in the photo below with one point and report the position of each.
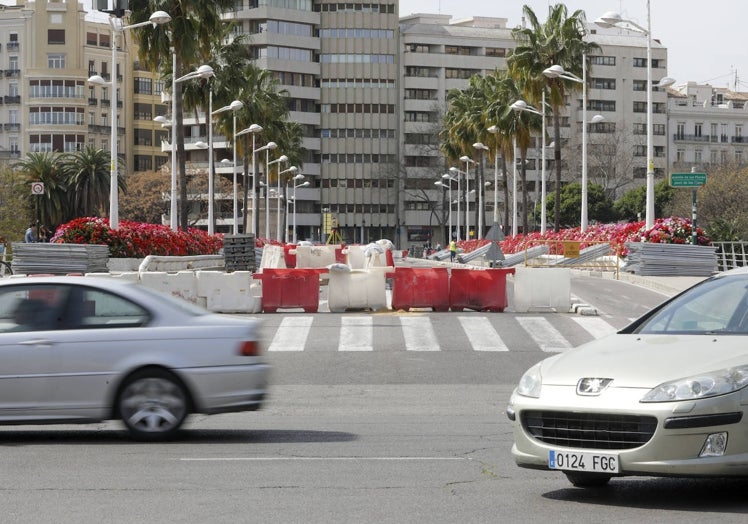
(283, 158)
(557, 71)
(467, 161)
(439, 183)
(268, 163)
(303, 184)
(518, 107)
(266, 148)
(254, 129)
(457, 174)
(157, 18)
(234, 106)
(494, 130)
(613, 19)
(294, 170)
(479, 146)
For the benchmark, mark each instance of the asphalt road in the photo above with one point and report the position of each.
(368, 422)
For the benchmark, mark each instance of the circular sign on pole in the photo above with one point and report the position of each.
(37, 188)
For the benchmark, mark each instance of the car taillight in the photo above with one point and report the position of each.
(249, 348)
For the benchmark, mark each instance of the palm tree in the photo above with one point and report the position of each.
(42, 167)
(558, 41)
(194, 29)
(87, 176)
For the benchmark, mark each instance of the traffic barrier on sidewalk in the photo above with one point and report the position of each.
(273, 257)
(290, 288)
(356, 289)
(542, 288)
(229, 292)
(478, 289)
(182, 284)
(316, 256)
(420, 288)
(289, 253)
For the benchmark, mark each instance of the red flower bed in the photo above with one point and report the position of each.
(136, 239)
(672, 230)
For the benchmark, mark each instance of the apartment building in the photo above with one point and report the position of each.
(369, 90)
(708, 127)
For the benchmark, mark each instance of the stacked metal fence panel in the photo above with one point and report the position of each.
(655, 259)
(59, 259)
(239, 253)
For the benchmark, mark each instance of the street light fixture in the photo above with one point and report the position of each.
(557, 71)
(268, 163)
(267, 147)
(456, 172)
(157, 18)
(613, 19)
(479, 146)
(204, 71)
(467, 161)
(302, 184)
(518, 107)
(283, 158)
(234, 106)
(294, 170)
(254, 129)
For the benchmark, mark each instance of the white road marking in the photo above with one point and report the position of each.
(419, 334)
(482, 335)
(292, 334)
(544, 334)
(356, 334)
(301, 459)
(595, 326)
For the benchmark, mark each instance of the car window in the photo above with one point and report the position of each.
(61, 306)
(717, 306)
(30, 308)
(94, 308)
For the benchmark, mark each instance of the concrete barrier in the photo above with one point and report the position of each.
(356, 289)
(542, 288)
(315, 256)
(172, 264)
(233, 292)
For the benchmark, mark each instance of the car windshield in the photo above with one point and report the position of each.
(718, 305)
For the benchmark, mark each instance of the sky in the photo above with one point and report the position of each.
(706, 40)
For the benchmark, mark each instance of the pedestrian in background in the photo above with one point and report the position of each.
(31, 235)
(452, 250)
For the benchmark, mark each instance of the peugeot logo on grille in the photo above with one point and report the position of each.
(592, 386)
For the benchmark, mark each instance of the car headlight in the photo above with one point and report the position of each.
(707, 385)
(530, 383)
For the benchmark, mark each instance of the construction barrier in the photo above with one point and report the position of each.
(542, 288)
(289, 288)
(420, 288)
(356, 289)
(481, 290)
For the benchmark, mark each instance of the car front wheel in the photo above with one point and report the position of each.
(153, 405)
(587, 480)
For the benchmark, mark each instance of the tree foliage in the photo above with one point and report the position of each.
(599, 207)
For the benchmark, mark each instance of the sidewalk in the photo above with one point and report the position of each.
(662, 284)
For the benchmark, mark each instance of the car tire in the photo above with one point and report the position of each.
(587, 480)
(153, 404)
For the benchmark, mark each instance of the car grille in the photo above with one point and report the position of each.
(589, 430)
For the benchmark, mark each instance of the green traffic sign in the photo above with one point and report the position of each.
(687, 179)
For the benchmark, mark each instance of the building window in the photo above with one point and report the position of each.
(603, 83)
(55, 36)
(56, 61)
(601, 105)
(603, 60)
(496, 51)
(697, 156)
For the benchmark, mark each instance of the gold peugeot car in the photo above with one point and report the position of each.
(665, 396)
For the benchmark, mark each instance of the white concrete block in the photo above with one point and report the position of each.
(315, 256)
(273, 257)
(542, 288)
(356, 289)
(182, 284)
(355, 257)
(234, 292)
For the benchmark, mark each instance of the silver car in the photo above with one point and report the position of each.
(84, 349)
(665, 396)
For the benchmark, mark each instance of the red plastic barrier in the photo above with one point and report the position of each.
(340, 256)
(289, 258)
(478, 289)
(290, 288)
(420, 288)
(389, 258)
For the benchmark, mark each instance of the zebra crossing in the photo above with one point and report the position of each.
(433, 333)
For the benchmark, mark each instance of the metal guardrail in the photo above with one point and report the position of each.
(731, 254)
(590, 254)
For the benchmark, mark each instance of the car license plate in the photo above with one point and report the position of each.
(576, 461)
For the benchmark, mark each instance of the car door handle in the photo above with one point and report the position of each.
(37, 342)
